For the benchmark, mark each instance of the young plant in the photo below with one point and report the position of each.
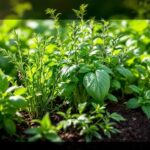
(141, 99)
(90, 124)
(11, 102)
(44, 131)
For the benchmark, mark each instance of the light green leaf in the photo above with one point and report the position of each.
(45, 122)
(117, 117)
(20, 91)
(81, 107)
(67, 71)
(97, 84)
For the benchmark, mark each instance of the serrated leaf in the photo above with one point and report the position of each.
(97, 84)
(146, 110)
(133, 103)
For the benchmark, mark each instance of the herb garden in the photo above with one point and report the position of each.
(74, 80)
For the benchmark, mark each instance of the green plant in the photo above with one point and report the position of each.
(81, 65)
(11, 102)
(36, 72)
(90, 124)
(142, 100)
(44, 131)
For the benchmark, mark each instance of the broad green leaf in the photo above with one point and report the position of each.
(125, 72)
(117, 117)
(20, 91)
(45, 122)
(52, 136)
(84, 69)
(112, 98)
(147, 95)
(97, 84)
(67, 71)
(32, 131)
(146, 110)
(35, 138)
(135, 89)
(116, 84)
(66, 89)
(18, 101)
(10, 126)
(105, 68)
(133, 103)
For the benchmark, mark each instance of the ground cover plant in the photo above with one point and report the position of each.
(75, 81)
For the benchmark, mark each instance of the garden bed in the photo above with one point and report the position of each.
(136, 128)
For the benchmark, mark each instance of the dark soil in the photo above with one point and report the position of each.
(136, 128)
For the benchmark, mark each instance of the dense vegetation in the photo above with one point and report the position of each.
(60, 76)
